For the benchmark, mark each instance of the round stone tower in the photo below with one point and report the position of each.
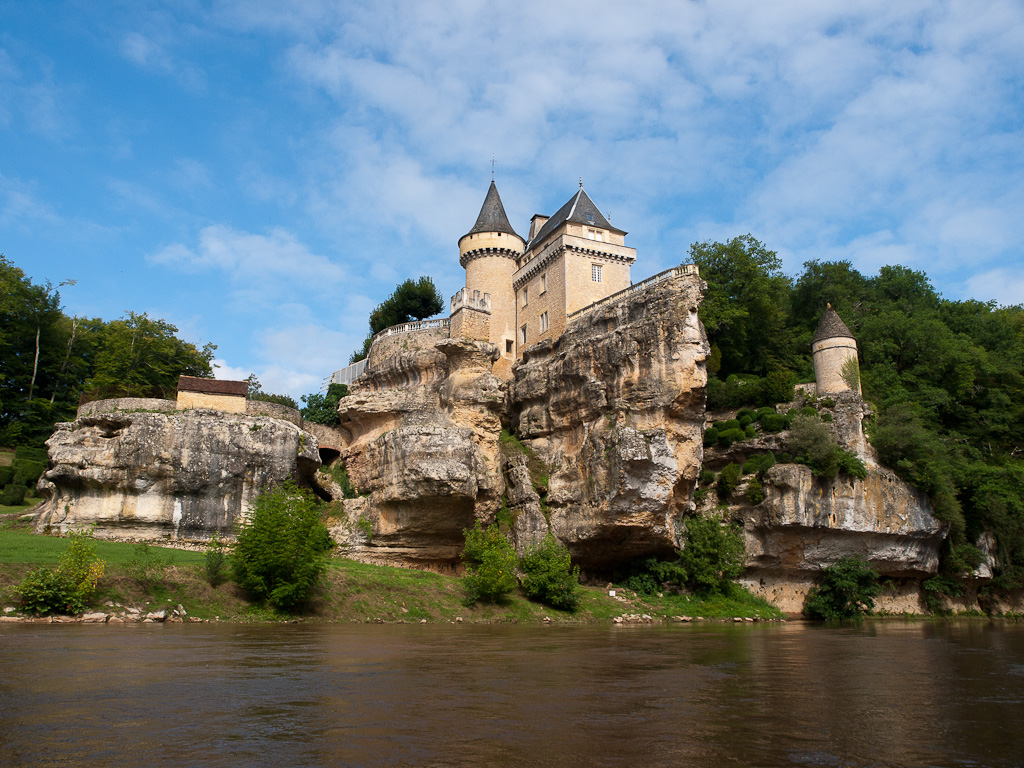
(488, 253)
(835, 356)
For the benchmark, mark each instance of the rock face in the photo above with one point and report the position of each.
(610, 417)
(615, 409)
(420, 444)
(805, 524)
(187, 474)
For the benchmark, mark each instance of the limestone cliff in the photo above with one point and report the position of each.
(610, 417)
(185, 474)
(615, 409)
(420, 444)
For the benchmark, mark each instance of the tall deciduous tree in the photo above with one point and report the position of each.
(744, 309)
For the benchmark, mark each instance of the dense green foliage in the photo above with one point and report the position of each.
(411, 300)
(323, 408)
(847, 590)
(68, 588)
(549, 576)
(946, 379)
(281, 549)
(713, 554)
(490, 564)
(48, 360)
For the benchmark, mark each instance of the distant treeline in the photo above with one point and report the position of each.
(48, 359)
(946, 379)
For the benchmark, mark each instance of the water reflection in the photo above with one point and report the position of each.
(789, 694)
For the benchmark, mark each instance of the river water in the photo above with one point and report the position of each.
(879, 694)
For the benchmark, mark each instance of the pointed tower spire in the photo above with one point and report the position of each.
(492, 216)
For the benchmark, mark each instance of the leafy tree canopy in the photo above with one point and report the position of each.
(323, 408)
(411, 300)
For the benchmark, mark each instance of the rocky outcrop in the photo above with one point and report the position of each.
(615, 409)
(183, 475)
(420, 444)
(805, 524)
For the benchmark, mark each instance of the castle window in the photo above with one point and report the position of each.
(525, 295)
(595, 273)
(595, 234)
(508, 346)
(522, 335)
(544, 283)
(543, 322)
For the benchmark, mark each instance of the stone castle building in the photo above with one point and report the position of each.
(519, 292)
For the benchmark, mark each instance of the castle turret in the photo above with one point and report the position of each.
(488, 253)
(835, 356)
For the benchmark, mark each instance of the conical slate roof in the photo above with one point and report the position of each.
(580, 210)
(492, 216)
(831, 327)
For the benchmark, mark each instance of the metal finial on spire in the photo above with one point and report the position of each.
(581, 182)
(492, 166)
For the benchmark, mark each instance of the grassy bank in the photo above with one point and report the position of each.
(350, 591)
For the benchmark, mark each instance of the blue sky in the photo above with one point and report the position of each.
(261, 174)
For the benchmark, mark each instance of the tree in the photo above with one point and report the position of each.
(256, 392)
(323, 409)
(281, 549)
(548, 575)
(713, 554)
(490, 564)
(847, 591)
(138, 353)
(745, 306)
(411, 300)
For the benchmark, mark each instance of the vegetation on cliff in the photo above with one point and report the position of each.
(946, 379)
(411, 300)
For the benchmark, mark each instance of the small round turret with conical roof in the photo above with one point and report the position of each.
(835, 356)
(488, 252)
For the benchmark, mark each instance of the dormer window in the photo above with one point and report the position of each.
(595, 234)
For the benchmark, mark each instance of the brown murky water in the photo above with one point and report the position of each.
(883, 694)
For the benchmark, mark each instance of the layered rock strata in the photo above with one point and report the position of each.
(420, 445)
(182, 475)
(615, 410)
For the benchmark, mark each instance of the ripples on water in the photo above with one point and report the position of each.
(883, 694)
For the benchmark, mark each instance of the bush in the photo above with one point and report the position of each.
(267, 397)
(746, 413)
(749, 431)
(281, 549)
(778, 387)
(729, 436)
(712, 554)
(847, 590)
(759, 464)
(549, 577)
(32, 454)
(745, 421)
(490, 564)
(754, 491)
(215, 563)
(710, 437)
(727, 480)
(26, 471)
(6, 476)
(774, 422)
(69, 588)
(733, 424)
(147, 565)
(13, 495)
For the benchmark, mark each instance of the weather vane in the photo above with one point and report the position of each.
(492, 167)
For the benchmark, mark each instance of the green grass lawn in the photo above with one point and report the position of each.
(350, 591)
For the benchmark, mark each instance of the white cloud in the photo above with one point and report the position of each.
(263, 267)
(1004, 285)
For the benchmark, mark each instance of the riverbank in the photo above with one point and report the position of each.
(149, 583)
